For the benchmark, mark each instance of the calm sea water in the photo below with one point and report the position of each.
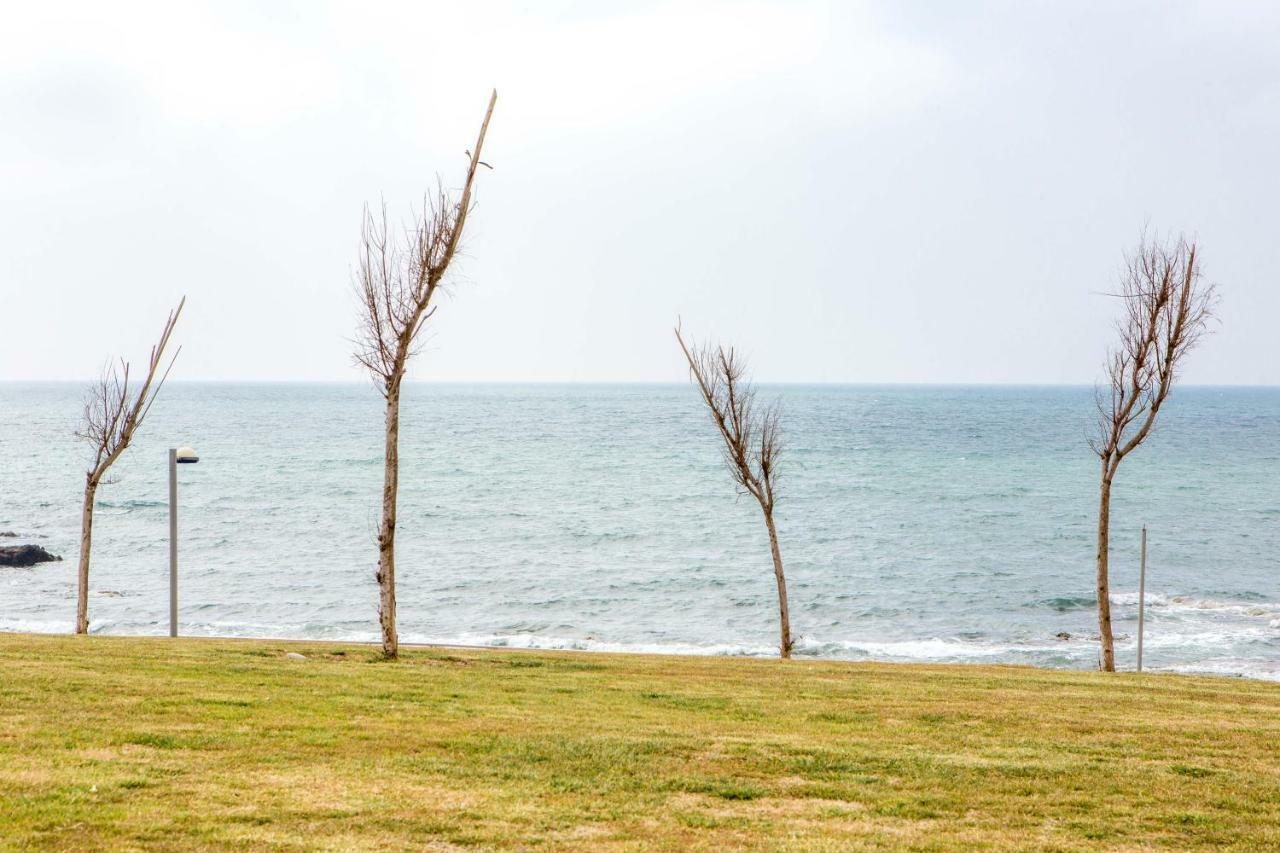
(917, 524)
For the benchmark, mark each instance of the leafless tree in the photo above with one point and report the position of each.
(397, 276)
(114, 408)
(752, 437)
(1167, 308)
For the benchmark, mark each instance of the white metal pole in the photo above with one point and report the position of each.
(173, 542)
(1142, 595)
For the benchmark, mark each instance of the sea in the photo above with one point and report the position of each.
(942, 524)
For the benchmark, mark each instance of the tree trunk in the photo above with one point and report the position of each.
(1104, 583)
(784, 611)
(387, 532)
(86, 543)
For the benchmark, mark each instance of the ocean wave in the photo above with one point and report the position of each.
(590, 644)
(37, 626)
(1063, 603)
(285, 631)
(1207, 640)
(931, 650)
(1237, 667)
(1250, 606)
(131, 504)
(1246, 605)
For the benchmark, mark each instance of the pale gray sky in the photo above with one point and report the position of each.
(860, 192)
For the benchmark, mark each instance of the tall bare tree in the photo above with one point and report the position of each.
(1167, 308)
(397, 277)
(113, 410)
(752, 437)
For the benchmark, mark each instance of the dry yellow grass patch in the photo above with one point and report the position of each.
(109, 742)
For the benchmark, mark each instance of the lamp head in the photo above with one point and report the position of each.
(186, 455)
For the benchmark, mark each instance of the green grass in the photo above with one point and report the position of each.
(110, 742)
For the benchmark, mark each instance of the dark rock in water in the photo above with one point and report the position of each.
(8, 534)
(25, 555)
(1063, 635)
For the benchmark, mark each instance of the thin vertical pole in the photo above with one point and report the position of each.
(173, 542)
(1142, 595)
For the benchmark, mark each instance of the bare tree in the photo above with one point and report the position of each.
(1167, 307)
(752, 444)
(113, 411)
(397, 277)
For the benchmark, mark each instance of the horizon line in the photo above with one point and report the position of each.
(649, 382)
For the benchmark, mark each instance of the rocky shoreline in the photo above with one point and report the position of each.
(23, 556)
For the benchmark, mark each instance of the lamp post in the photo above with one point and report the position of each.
(177, 455)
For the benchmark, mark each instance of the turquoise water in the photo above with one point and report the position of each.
(938, 524)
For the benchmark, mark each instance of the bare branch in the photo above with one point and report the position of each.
(1166, 311)
(397, 276)
(114, 411)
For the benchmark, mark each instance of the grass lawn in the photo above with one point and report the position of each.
(112, 742)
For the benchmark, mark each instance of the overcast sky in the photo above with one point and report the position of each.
(881, 192)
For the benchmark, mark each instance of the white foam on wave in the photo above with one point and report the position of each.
(930, 650)
(36, 626)
(1186, 604)
(285, 631)
(1205, 638)
(1237, 667)
(589, 644)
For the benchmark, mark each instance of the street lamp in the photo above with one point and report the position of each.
(187, 456)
